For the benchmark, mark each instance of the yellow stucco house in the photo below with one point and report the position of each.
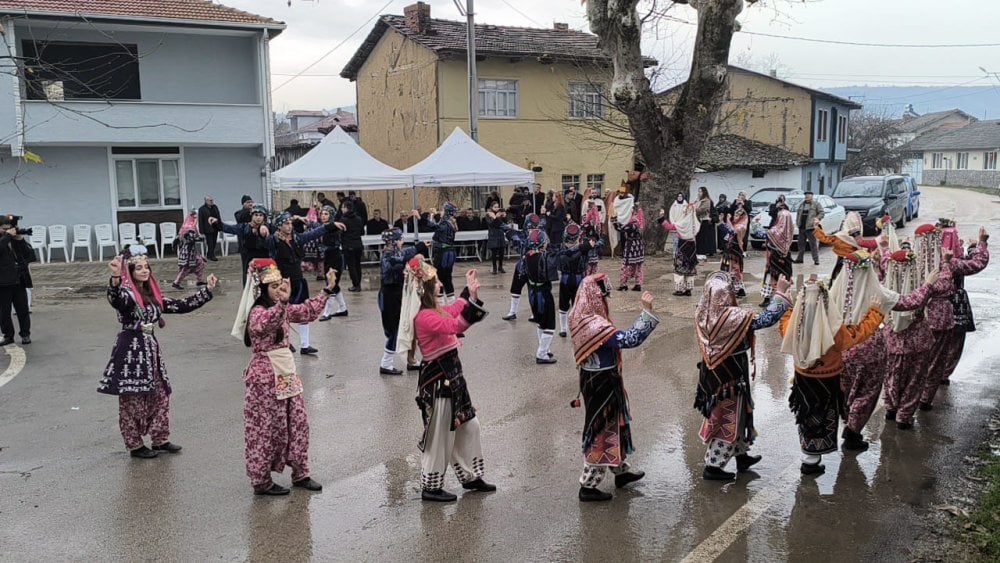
(541, 101)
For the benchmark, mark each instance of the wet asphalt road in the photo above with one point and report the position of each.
(68, 489)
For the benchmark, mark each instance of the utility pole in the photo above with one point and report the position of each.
(473, 80)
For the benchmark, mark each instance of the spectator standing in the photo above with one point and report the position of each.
(722, 209)
(706, 233)
(572, 203)
(350, 241)
(360, 209)
(15, 254)
(208, 230)
(556, 221)
(494, 197)
(805, 219)
(245, 212)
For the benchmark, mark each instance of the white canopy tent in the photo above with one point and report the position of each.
(338, 162)
(460, 161)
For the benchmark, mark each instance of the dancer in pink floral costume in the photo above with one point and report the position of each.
(275, 422)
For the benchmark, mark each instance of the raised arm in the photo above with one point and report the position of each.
(772, 314)
(975, 263)
(851, 335)
(637, 334)
(309, 310)
(822, 237)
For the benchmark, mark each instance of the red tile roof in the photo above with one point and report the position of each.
(177, 10)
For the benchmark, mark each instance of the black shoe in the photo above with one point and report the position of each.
(628, 477)
(741, 293)
(320, 278)
(623, 288)
(439, 495)
(509, 317)
(926, 406)
(273, 491)
(890, 414)
(712, 473)
(354, 289)
(7, 340)
(593, 494)
(167, 447)
(479, 485)
(636, 287)
(531, 319)
(855, 443)
(945, 382)
(812, 468)
(308, 351)
(815, 263)
(746, 461)
(562, 333)
(678, 294)
(412, 367)
(390, 371)
(904, 425)
(340, 313)
(291, 348)
(494, 272)
(502, 271)
(548, 360)
(687, 293)
(143, 452)
(307, 484)
(765, 303)
(797, 261)
(325, 318)
(25, 340)
(213, 259)
(176, 285)
(202, 283)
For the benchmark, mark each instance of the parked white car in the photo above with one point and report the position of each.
(833, 214)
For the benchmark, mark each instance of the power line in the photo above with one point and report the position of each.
(865, 44)
(526, 16)
(335, 47)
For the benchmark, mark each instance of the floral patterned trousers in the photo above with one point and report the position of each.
(139, 415)
(277, 435)
(636, 272)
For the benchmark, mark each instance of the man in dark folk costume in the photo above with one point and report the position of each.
(390, 293)
(541, 272)
(597, 346)
(136, 371)
(519, 238)
(573, 259)
(445, 227)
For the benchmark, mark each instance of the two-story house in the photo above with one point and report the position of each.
(912, 126)
(541, 96)
(966, 156)
(796, 119)
(136, 108)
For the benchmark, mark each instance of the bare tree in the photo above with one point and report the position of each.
(670, 144)
(874, 150)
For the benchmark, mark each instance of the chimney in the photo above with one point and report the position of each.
(558, 26)
(774, 73)
(418, 17)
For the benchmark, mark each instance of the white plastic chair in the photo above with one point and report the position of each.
(105, 235)
(147, 232)
(126, 234)
(81, 239)
(228, 239)
(168, 234)
(38, 240)
(57, 240)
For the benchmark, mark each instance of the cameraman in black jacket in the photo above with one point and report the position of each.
(15, 255)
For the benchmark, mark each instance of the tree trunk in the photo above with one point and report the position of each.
(670, 145)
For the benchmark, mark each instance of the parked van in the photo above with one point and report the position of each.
(873, 197)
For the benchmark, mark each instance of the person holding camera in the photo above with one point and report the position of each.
(15, 254)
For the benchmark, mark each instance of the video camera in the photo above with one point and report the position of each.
(12, 221)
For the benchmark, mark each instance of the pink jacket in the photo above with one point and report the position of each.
(437, 333)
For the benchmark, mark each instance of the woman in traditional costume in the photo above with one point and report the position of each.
(630, 222)
(948, 341)
(846, 240)
(734, 227)
(189, 261)
(136, 371)
(779, 252)
(725, 334)
(814, 334)
(276, 426)
(683, 221)
(597, 346)
(965, 321)
(593, 226)
(451, 429)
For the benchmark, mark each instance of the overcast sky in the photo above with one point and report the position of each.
(317, 26)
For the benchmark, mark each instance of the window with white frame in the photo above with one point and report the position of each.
(962, 162)
(147, 181)
(990, 160)
(570, 181)
(596, 182)
(822, 123)
(842, 129)
(937, 160)
(497, 98)
(585, 101)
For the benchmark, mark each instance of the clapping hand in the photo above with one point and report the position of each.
(212, 281)
(284, 291)
(472, 282)
(984, 235)
(115, 265)
(875, 303)
(212, 220)
(932, 277)
(263, 231)
(948, 254)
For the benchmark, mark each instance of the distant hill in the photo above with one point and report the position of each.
(983, 102)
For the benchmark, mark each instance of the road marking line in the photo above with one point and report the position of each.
(17, 360)
(725, 535)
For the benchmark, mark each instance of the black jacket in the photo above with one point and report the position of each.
(204, 212)
(376, 226)
(350, 239)
(15, 255)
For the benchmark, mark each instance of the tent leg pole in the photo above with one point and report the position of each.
(416, 224)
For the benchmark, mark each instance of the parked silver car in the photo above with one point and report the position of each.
(760, 220)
